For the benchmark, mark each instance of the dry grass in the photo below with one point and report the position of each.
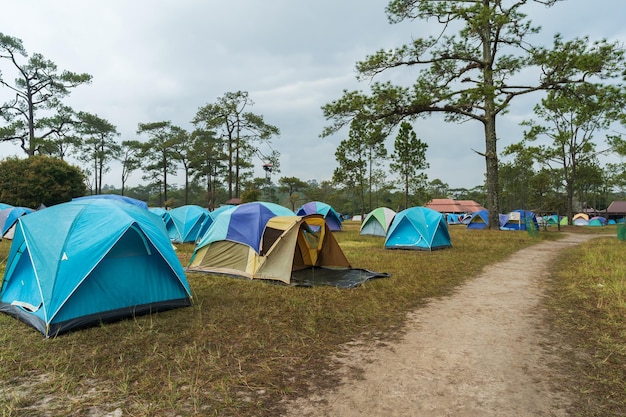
(242, 347)
(588, 302)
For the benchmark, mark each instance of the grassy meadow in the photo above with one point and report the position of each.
(587, 299)
(245, 345)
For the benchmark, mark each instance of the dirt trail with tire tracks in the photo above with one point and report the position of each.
(482, 351)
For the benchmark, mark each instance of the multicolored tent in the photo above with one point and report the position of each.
(333, 219)
(519, 220)
(580, 219)
(243, 224)
(377, 222)
(418, 228)
(266, 241)
(86, 262)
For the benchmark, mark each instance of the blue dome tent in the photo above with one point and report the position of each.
(85, 262)
(333, 219)
(187, 223)
(418, 228)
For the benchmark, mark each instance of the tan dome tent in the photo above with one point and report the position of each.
(294, 250)
(287, 243)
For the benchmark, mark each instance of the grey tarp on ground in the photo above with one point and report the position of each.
(337, 277)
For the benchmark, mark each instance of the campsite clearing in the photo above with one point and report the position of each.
(245, 345)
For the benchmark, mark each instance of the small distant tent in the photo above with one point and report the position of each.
(563, 221)
(453, 218)
(165, 216)
(377, 222)
(8, 220)
(478, 220)
(580, 219)
(519, 220)
(418, 228)
(552, 220)
(333, 219)
(85, 262)
(115, 197)
(597, 221)
(187, 222)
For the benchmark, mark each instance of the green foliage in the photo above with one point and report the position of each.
(38, 86)
(39, 180)
(98, 145)
(471, 74)
(569, 118)
(241, 130)
(409, 158)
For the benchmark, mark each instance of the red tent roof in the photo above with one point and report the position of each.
(448, 205)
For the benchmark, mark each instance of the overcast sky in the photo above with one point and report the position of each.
(155, 60)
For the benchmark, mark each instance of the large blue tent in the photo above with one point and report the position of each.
(84, 262)
(418, 228)
(115, 197)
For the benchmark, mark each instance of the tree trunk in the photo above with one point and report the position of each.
(164, 162)
(491, 162)
(491, 139)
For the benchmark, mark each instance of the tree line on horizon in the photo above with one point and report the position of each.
(472, 74)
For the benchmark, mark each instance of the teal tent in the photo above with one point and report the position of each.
(187, 223)
(85, 262)
(418, 228)
(116, 197)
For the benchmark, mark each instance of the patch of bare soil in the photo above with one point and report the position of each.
(483, 351)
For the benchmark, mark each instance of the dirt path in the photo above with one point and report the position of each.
(480, 352)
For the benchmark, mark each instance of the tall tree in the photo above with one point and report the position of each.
(158, 155)
(409, 158)
(240, 130)
(129, 158)
(375, 151)
(570, 118)
(206, 162)
(38, 86)
(99, 146)
(351, 156)
(182, 148)
(291, 186)
(470, 75)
